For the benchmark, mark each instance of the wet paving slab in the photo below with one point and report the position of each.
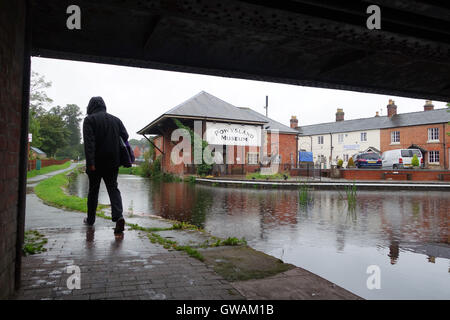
(126, 266)
(116, 267)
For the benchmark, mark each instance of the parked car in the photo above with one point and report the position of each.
(400, 158)
(368, 160)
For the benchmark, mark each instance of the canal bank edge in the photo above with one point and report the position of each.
(325, 185)
(252, 273)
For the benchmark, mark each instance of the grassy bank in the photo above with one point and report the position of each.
(133, 170)
(51, 191)
(45, 170)
(157, 176)
(259, 176)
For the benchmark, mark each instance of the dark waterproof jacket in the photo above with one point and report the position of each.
(101, 132)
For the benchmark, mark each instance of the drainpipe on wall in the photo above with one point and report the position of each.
(445, 149)
(331, 148)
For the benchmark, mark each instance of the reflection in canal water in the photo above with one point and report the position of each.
(405, 233)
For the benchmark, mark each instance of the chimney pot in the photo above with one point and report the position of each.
(428, 106)
(294, 122)
(391, 108)
(340, 114)
(377, 114)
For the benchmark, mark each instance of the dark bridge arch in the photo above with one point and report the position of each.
(313, 43)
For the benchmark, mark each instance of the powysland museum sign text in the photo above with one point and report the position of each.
(233, 134)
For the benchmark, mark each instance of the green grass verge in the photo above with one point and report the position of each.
(132, 170)
(45, 170)
(259, 176)
(51, 191)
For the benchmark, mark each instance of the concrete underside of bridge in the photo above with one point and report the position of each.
(313, 43)
(303, 42)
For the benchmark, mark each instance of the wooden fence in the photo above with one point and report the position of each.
(45, 163)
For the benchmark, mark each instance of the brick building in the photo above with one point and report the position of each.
(425, 130)
(242, 139)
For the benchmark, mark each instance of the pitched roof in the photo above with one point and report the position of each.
(38, 151)
(382, 122)
(205, 106)
(271, 124)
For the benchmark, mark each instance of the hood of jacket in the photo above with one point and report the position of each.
(96, 104)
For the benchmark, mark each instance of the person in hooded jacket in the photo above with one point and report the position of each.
(101, 132)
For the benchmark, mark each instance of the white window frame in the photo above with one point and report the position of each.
(395, 137)
(340, 138)
(363, 135)
(320, 140)
(433, 157)
(252, 157)
(433, 134)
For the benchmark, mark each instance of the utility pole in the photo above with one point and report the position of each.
(267, 106)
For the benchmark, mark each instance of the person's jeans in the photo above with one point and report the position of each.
(109, 176)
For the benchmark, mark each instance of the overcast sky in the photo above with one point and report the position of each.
(138, 96)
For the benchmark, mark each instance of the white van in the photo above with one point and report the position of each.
(400, 158)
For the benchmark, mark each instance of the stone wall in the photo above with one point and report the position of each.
(12, 36)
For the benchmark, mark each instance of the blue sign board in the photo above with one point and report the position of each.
(304, 156)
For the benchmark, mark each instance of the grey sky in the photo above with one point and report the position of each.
(137, 96)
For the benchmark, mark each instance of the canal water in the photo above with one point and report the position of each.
(400, 238)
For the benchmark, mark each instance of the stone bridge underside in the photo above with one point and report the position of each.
(313, 43)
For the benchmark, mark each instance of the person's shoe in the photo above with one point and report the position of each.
(120, 225)
(85, 221)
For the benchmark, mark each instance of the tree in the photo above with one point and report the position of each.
(38, 101)
(38, 97)
(53, 132)
(71, 115)
(415, 161)
(350, 163)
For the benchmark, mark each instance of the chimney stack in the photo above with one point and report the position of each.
(391, 108)
(428, 106)
(377, 114)
(294, 122)
(340, 114)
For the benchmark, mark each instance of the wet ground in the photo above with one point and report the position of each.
(404, 233)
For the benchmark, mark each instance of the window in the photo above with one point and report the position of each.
(346, 157)
(433, 157)
(395, 137)
(363, 136)
(433, 134)
(320, 140)
(252, 158)
(407, 153)
(341, 138)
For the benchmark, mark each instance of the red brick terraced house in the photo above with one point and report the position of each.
(425, 130)
(243, 139)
